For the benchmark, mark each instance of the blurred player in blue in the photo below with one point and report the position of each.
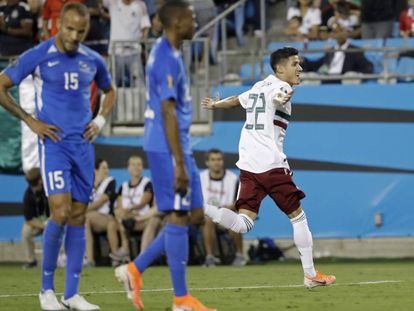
(63, 70)
(174, 173)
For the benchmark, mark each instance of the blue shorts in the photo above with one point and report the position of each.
(67, 167)
(162, 173)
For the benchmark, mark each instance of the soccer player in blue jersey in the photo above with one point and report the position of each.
(174, 173)
(63, 70)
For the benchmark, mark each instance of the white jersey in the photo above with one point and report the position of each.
(99, 192)
(263, 134)
(219, 192)
(132, 195)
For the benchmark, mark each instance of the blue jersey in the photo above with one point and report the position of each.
(62, 83)
(166, 79)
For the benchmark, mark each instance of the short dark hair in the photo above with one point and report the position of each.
(33, 176)
(80, 8)
(98, 163)
(213, 150)
(281, 55)
(170, 10)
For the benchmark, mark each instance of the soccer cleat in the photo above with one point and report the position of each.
(189, 303)
(132, 280)
(319, 280)
(79, 303)
(49, 302)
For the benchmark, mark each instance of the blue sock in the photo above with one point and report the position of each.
(75, 250)
(152, 252)
(52, 240)
(176, 247)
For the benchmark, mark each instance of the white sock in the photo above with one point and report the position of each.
(303, 240)
(239, 223)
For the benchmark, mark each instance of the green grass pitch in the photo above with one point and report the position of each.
(361, 285)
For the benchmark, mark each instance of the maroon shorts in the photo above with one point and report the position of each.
(277, 183)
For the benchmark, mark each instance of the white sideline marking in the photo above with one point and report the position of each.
(105, 292)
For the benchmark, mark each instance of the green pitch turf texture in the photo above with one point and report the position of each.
(361, 285)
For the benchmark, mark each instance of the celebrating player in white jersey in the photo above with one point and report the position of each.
(264, 169)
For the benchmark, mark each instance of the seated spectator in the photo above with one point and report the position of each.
(407, 21)
(36, 213)
(133, 207)
(327, 11)
(311, 18)
(292, 30)
(16, 28)
(219, 188)
(339, 62)
(99, 216)
(347, 20)
(51, 12)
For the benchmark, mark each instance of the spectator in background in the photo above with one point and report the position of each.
(36, 212)
(311, 18)
(16, 28)
(292, 30)
(151, 7)
(99, 215)
(222, 5)
(98, 35)
(339, 62)
(51, 14)
(377, 18)
(205, 11)
(219, 188)
(129, 22)
(328, 10)
(133, 207)
(407, 21)
(346, 19)
(156, 27)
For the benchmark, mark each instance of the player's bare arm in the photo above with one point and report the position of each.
(229, 102)
(171, 131)
(96, 125)
(40, 128)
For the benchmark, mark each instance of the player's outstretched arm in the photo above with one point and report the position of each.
(96, 125)
(229, 102)
(43, 130)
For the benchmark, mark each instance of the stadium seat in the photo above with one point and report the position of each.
(272, 46)
(392, 57)
(318, 45)
(405, 66)
(376, 58)
(250, 72)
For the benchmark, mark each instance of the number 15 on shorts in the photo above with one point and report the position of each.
(56, 180)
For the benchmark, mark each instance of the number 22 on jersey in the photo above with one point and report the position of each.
(257, 107)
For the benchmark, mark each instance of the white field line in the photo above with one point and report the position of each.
(106, 292)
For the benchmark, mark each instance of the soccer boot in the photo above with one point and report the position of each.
(319, 280)
(189, 303)
(79, 303)
(49, 302)
(132, 280)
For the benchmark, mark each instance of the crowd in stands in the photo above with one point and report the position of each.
(366, 19)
